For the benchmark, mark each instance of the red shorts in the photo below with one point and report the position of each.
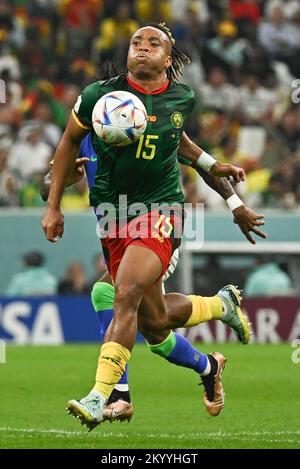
(153, 230)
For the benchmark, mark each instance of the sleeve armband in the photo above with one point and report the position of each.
(78, 122)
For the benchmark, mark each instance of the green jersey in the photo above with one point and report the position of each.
(146, 171)
(184, 161)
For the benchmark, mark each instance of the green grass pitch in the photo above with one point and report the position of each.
(261, 408)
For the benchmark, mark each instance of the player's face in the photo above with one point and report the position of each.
(149, 53)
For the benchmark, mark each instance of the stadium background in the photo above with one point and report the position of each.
(244, 66)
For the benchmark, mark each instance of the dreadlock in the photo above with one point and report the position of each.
(179, 59)
(108, 70)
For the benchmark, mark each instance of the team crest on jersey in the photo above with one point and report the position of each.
(177, 119)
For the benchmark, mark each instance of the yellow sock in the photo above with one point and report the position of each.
(111, 365)
(205, 308)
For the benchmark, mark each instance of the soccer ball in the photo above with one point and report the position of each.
(119, 118)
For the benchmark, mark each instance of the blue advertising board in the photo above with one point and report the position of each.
(48, 320)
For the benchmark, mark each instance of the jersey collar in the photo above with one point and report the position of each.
(142, 90)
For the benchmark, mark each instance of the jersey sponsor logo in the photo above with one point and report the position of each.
(177, 120)
(152, 118)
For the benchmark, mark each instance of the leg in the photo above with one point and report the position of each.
(174, 347)
(102, 296)
(194, 309)
(131, 283)
(130, 286)
(119, 405)
(179, 351)
(189, 311)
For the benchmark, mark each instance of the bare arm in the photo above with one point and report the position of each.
(219, 184)
(189, 150)
(244, 217)
(65, 157)
(75, 176)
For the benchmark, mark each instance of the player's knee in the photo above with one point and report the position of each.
(128, 294)
(102, 296)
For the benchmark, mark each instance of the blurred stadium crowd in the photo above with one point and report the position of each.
(245, 57)
(35, 279)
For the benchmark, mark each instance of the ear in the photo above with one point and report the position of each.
(168, 61)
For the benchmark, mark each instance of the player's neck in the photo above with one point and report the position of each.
(149, 85)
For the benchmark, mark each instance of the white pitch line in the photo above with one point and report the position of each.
(280, 436)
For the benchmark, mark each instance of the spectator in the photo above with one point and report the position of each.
(10, 24)
(289, 130)
(193, 72)
(74, 281)
(62, 106)
(255, 102)
(280, 39)
(228, 151)
(267, 280)
(80, 20)
(35, 280)
(81, 14)
(290, 8)
(29, 155)
(179, 9)
(246, 14)
(217, 94)
(115, 34)
(51, 133)
(10, 106)
(283, 183)
(8, 182)
(29, 194)
(245, 10)
(227, 47)
(76, 197)
(8, 62)
(152, 10)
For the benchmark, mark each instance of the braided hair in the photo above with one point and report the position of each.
(179, 59)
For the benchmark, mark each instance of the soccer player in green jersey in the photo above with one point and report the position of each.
(147, 173)
(119, 405)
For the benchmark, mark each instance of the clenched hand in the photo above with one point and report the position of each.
(53, 224)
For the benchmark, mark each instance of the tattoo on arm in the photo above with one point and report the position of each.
(221, 185)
